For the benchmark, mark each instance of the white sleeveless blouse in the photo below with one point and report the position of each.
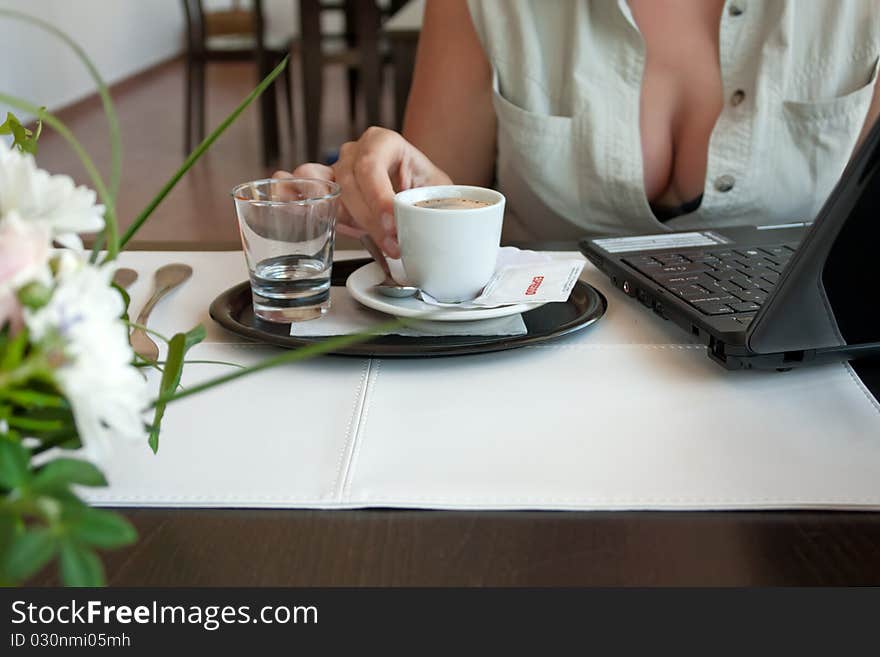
(798, 76)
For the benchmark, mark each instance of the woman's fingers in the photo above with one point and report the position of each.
(367, 191)
(313, 170)
(344, 222)
(366, 171)
(380, 152)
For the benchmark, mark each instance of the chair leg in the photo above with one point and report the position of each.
(200, 101)
(312, 73)
(368, 25)
(268, 114)
(291, 125)
(188, 108)
(353, 84)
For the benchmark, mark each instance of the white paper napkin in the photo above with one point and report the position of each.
(348, 316)
(520, 277)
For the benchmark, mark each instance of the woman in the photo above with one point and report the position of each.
(611, 117)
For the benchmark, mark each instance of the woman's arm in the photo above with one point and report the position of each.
(449, 114)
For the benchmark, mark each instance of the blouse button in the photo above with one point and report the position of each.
(724, 183)
(735, 10)
(737, 97)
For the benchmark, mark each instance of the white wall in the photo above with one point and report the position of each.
(122, 37)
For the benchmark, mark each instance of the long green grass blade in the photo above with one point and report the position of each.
(110, 225)
(198, 152)
(106, 101)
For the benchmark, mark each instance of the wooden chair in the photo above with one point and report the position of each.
(233, 35)
(362, 53)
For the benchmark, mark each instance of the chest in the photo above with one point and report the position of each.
(681, 94)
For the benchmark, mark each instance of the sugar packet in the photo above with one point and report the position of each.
(525, 277)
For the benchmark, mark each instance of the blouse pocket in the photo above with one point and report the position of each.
(842, 109)
(816, 140)
(527, 125)
(536, 161)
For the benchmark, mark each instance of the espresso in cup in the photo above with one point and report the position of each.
(449, 237)
(452, 203)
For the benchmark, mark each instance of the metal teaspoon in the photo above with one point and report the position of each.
(167, 278)
(389, 286)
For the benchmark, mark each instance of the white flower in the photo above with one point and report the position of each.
(107, 393)
(53, 202)
(24, 254)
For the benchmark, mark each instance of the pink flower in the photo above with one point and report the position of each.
(24, 253)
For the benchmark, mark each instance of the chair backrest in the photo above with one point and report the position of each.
(234, 21)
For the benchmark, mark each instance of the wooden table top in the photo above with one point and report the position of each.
(377, 547)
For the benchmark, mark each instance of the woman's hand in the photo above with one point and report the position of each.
(370, 171)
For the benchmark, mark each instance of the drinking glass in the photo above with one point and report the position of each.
(287, 230)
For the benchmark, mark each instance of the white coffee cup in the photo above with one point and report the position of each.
(449, 253)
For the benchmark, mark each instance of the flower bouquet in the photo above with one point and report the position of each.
(70, 384)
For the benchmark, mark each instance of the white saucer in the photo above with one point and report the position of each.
(361, 284)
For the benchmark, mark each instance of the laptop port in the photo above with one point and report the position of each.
(793, 357)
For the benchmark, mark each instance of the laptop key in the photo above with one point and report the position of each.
(688, 292)
(643, 263)
(711, 307)
(744, 306)
(675, 279)
(690, 267)
(755, 296)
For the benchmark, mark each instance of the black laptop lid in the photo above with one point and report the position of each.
(828, 295)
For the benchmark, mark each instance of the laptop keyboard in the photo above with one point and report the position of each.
(718, 281)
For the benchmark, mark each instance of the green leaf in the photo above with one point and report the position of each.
(13, 353)
(14, 464)
(28, 553)
(62, 473)
(177, 348)
(29, 424)
(194, 336)
(23, 138)
(103, 529)
(34, 399)
(170, 381)
(126, 301)
(80, 566)
(34, 295)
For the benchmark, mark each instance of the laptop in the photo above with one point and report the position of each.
(767, 297)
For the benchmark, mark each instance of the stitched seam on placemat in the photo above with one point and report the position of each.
(861, 384)
(365, 411)
(351, 431)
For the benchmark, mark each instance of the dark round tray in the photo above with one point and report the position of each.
(233, 310)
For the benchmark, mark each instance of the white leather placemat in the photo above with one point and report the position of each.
(624, 415)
